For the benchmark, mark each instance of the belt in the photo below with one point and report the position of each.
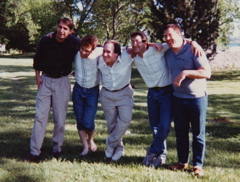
(159, 88)
(86, 88)
(52, 76)
(118, 89)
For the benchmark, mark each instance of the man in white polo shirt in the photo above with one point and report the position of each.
(116, 96)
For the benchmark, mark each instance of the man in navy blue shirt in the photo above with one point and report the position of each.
(189, 74)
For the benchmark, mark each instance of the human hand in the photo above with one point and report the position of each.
(39, 81)
(197, 49)
(178, 80)
(50, 35)
(130, 51)
(157, 46)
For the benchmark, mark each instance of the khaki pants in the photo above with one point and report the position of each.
(117, 107)
(53, 93)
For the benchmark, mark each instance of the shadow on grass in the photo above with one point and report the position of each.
(12, 69)
(18, 101)
(224, 107)
(224, 130)
(18, 98)
(16, 145)
(16, 173)
(225, 75)
(29, 55)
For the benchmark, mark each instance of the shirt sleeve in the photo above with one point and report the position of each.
(202, 62)
(37, 60)
(165, 47)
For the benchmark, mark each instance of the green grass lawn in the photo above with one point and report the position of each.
(17, 109)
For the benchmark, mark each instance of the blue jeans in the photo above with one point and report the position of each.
(85, 103)
(186, 113)
(160, 117)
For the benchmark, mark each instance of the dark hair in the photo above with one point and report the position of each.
(89, 40)
(117, 46)
(66, 21)
(175, 27)
(141, 34)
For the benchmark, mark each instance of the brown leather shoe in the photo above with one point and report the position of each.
(198, 171)
(179, 166)
(30, 158)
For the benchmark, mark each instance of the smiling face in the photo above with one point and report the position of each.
(108, 54)
(138, 45)
(173, 38)
(63, 31)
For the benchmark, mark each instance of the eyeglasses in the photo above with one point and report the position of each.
(85, 50)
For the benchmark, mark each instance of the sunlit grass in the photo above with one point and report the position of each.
(17, 108)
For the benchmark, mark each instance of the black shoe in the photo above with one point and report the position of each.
(57, 155)
(30, 158)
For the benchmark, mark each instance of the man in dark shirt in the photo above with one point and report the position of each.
(54, 59)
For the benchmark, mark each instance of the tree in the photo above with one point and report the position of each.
(229, 11)
(84, 12)
(23, 22)
(199, 19)
(15, 32)
(3, 20)
(115, 19)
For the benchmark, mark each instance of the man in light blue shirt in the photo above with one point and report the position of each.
(116, 96)
(86, 90)
(153, 68)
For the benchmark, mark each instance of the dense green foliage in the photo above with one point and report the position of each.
(24, 22)
(229, 10)
(198, 19)
(116, 19)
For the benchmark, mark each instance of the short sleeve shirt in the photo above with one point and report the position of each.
(185, 60)
(153, 67)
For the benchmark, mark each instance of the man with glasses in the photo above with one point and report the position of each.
(153, 68)
(86, 90)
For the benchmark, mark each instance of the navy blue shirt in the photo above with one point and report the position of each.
(56, 58)
(185, 60)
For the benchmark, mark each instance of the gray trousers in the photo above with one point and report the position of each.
(53, 94)
(117, 107)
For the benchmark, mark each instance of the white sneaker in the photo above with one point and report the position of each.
(119, 152)
(109, 152)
